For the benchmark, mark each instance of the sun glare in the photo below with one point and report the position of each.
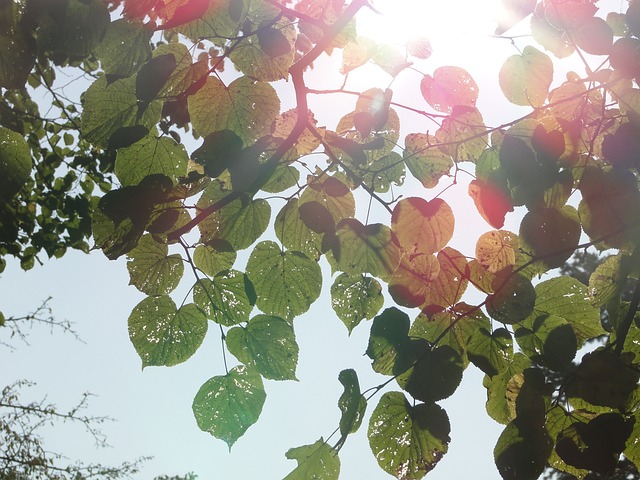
(452, 26)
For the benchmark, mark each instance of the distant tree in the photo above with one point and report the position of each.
(23, 451)
(107, 160)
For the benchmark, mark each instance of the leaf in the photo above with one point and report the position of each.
(17, 55)
(391, 59)
(355, 298)
(410, 284)
(366, 249)
(450, 284)
(268, 55)
(449, 87)
(436, 372)
(567, 298)
(153, 271)
(610, 206)
(425, 161)
(111, 106)
(550, 234)
(499, 406)
(228, 298)
(463, 134)
(356, 53)
(227, 405)
(222, 20)
(608, 279)
(513, 300)
(153, 76)
(496, 250)
(603, 378)
(490, 351)
(286, 283)
(246, 107)
(218, 151)
(525, 79)
(352, 403)
(522, 451)
(294, 233)
(124, 48)
(453, 328)
(317, 461)
(77, 31)
(408, 441)
(164, 335)
(492, 202)
(389, 336)
(594, 36)
(215, 257)
(186, 75)
(421, 226)
(549, 340)
(419, 47)
(15, 163)
(149, 156)
(239, 223)
(268, 344)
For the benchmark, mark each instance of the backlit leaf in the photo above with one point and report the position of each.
(355, 298)
(148, 156)
(15, 163)
(549, 340)
(513, 300)
(286, 283)
(421, 226)
(228, 298)
(352, 403)
(496, 250)
(490, 351)
(387, 339)
(268, 344)
(408, 441)
(463, 134)
(153, 271)
(164, 335)
(525, 79)
(448, 87)
(245, 106)
(227, 405)
(424, 160)
(450, 284)
(317, 461)
(125, 47)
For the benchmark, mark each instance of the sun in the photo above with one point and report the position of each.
(455, 28)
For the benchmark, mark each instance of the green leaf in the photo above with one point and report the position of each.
(608, 279)
(352, 403)
(125, 47)
(332, 193)
(449, 87)
(548, 340)
(522, 451)
(408, 441)
(164, 335)
(246, 107)
(317, 461)
(525, 79)
(436, 374)
(217, 24)
(15, 163)
(239, 223)
(567, 298)
(410, 284)
(355, 298)
(551, 235)
(294, 234)
(227, 405)
(425, 160)
(460, 323)
(491, 352)
(496, 250)
(152, 270)
(366, 249)
(268, 344)
(422, 226)
(388, 338)
(463, 135)
(77, 31)
(227, 299)
(603, 378)
(268, 55)
(500, 407)
(286, 283)
(513, 301)
(111, 106)
(148, 156)
(17, 53)
(214, 257)
(284, 177)
(186, 74)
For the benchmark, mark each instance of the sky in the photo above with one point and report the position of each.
(153, 407)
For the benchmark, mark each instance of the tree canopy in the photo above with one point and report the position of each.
(179, 134)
